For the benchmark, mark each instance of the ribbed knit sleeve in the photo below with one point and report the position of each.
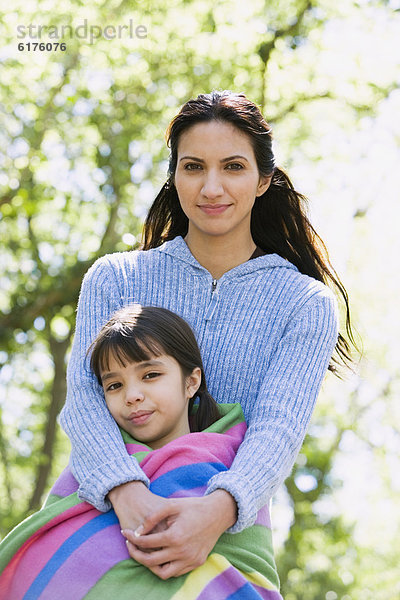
(85, 404)
(280, 416)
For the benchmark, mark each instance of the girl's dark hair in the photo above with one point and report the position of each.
(279, 223)
(137, 333)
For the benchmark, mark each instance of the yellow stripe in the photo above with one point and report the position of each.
(259, 579)
(197, 580)
(215, 564)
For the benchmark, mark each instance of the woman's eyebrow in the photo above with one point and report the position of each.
(221, 161)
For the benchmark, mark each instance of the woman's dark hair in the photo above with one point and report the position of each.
(137, 333)
(279, 223)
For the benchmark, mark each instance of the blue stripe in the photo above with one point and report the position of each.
(66, 549)
(185, 478)
(246, 592)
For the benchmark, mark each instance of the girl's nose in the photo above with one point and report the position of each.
(134, 394)
(212, 187)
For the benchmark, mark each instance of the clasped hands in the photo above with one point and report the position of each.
(171, 536)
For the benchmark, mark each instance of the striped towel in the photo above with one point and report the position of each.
(69, 550)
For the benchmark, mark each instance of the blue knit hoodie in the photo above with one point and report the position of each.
(266, 333)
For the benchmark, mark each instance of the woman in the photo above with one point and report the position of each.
(228, 247)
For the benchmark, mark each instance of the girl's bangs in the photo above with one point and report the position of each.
(126, 350)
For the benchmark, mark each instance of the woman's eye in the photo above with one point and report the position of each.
(234, 166)
(191, 166)
(151, 375)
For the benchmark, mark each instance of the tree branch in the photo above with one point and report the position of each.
(265, 49)
(5, 463)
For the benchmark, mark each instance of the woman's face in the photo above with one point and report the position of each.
(217, 180)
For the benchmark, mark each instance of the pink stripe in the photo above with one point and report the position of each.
(194, 448)
(86, 565)
(40, 547)
(133, 448)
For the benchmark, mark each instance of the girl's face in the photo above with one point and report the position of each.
(149, 399)
(217, 180)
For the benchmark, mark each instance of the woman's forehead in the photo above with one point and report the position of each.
(214, 137)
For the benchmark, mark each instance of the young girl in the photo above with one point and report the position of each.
(149, 365)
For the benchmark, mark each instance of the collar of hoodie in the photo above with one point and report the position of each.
(179, 249)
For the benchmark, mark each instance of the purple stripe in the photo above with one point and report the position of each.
(222, 586)
(88, 564)
(65, 485)
(193, 492)
(263, 517)
(267, 594)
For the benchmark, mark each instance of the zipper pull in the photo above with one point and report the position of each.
(213, 301)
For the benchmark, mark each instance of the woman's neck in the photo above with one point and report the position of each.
(218, 254)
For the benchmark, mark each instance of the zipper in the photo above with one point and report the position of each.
(213, 301)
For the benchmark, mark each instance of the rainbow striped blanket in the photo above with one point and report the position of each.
(69, 550)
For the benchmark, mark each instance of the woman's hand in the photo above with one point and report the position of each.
(133, 502)
(191, 528)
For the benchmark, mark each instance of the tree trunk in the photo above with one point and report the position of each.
(58, 392)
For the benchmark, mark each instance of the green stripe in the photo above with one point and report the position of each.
(250, 550)
(130, 581)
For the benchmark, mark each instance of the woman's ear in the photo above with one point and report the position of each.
(263, 185)
(193, 382)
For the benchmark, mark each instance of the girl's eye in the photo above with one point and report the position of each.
(113, 386)
(151, 375)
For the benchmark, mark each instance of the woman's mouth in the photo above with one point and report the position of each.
(140, 417)
(214, 209)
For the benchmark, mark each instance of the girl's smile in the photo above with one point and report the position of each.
(140, 417)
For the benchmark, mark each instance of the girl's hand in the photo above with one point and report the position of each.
(191, 528)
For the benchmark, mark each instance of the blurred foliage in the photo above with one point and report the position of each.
(82, 156)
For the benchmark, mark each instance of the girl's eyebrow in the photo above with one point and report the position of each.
(108, 376)
(140, 365)
(149, 363)
(221, 161)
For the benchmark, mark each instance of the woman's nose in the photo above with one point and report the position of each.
(212, 187)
